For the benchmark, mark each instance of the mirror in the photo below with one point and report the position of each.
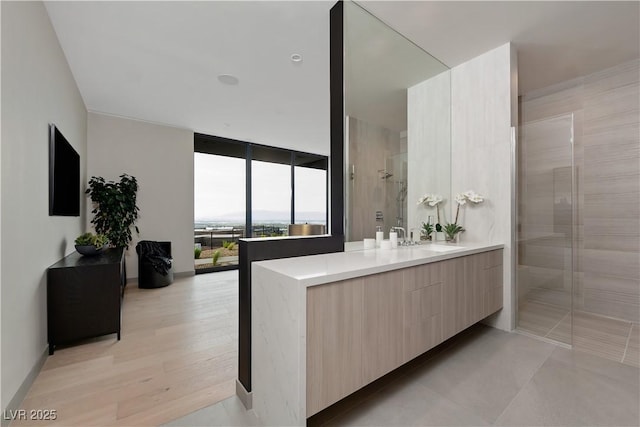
(397, 129)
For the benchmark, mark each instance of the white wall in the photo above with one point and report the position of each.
(429, 147)
(161, 159)
(483, 93)
(2, 405)
(37, 89)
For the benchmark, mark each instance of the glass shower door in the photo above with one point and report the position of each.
(545, 228)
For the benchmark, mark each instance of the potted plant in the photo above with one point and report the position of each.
(431, 200)
(115, 210)
(452, 229)
(90, 244)
(427, 230)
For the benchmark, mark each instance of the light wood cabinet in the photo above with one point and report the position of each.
(422, 308)
(493, 282)
(474, 285)
(334, 342)
(383, 325)
(358, 330)
(457, 297)
(472, 290)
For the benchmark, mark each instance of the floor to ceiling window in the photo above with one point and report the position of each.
(270, 191)
(250, 190)
(310, 197)
(219, 188)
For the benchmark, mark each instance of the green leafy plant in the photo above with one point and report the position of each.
(197, 252)
(451, 230)
(216, 255)
(88, 239)
(115, 210)
(431, 200)
(231, 246)
(427, 229)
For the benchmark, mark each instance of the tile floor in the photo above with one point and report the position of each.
(546, 313)
(483, 376)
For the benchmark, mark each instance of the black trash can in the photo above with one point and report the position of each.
(155, 265)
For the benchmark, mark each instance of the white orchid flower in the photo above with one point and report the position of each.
(435, 199)
(474, 197)
(461, 198)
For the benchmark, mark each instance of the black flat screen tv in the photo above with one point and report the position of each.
(64, 176)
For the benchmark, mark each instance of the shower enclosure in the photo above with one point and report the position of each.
(396, 191)
(578, 267)
(376, 189)
(545, 232)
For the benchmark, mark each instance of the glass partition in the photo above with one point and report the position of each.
(545, 236)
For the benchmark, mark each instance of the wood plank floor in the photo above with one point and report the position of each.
(178, 353)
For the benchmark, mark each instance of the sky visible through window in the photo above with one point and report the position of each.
(219, 191)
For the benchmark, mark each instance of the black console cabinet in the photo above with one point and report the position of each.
(84, 296)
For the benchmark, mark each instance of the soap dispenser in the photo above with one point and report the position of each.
(379, 235)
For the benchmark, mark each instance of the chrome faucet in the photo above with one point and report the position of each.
(404, 234)
(404, 241)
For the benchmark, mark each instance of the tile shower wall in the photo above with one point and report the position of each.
(371, 149)
(605, 108)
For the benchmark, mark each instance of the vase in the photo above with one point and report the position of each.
(89, 250)
(452, 239)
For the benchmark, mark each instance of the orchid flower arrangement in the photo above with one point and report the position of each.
(452, 229)
(431, 200)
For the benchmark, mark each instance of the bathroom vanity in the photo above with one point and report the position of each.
(324, 326)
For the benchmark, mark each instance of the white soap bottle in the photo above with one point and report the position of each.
(379, 235)
(393, 236)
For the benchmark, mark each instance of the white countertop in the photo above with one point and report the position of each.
(319, 269)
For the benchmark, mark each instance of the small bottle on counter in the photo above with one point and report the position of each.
(415, 235)
(393, 237)
(379, 235)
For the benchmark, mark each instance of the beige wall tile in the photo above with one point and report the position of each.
(611, 263)
(606, 158)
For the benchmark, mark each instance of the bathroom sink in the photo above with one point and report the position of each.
(442, 248)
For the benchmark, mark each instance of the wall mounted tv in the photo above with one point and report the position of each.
(64, 175)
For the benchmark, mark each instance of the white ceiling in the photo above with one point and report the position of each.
(159, 61)
(556, 40)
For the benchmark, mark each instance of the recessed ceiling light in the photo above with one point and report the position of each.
(296, 57)
(228, 79)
